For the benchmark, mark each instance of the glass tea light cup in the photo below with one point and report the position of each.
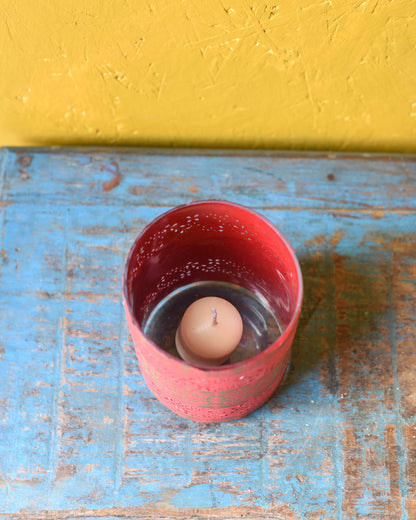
(218, 250)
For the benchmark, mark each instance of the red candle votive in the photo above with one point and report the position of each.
(222, 242)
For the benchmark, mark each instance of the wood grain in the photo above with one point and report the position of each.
(81, 436)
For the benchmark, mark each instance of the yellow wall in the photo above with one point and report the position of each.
(331, 74)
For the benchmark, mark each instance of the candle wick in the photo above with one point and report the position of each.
(214, 316)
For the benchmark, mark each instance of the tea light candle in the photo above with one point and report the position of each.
(210, 330)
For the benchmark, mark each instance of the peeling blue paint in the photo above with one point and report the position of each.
(80, 429)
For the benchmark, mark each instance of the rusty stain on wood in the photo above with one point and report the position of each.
(25, 160)
(114, 170)
(80, 434)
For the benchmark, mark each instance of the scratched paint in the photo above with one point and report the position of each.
(303, 74)
(80, 431)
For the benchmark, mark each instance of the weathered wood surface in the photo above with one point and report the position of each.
(81, 436)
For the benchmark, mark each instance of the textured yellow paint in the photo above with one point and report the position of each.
(331, 74)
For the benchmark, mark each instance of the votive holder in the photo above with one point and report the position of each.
(211, 244)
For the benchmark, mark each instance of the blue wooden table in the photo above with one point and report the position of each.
(81, 436)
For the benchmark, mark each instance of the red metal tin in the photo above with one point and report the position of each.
(221, 241)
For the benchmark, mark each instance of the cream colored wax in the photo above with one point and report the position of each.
(210, 330)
